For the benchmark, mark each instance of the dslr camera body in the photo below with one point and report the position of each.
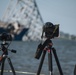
(51, 30)
(5, 37)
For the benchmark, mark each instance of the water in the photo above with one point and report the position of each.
(24, 61)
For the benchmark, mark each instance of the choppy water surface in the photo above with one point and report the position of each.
(24, 60)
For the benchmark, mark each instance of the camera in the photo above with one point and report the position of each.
(51, 30)
(5, 37)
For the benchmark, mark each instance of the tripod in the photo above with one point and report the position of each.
(48, 47)
(75, 70)
(4, 57)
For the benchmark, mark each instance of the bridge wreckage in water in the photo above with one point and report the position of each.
(22, 19)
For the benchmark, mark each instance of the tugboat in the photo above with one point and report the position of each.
(16, 30)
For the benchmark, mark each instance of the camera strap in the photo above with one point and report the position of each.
(54, 30)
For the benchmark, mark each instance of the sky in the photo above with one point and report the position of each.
(61, 12)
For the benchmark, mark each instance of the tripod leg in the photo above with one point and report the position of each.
(2, 66)
(57, 61)
(10, 63)
(75, 70)
(50, 62)
(41, 63)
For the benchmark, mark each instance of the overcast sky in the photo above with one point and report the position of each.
(61, 12)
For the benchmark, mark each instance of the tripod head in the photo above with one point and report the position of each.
(47, 44)
(4, 48)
